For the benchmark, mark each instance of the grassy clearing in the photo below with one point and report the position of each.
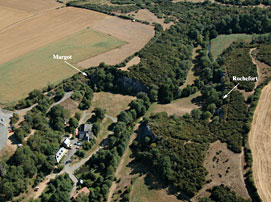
(179, 107)
(37, 69)
(190, 75)
(142, 193)
(222, 42)
(113, 103)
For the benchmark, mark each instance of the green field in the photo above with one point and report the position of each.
(37, 68)
(222, 42)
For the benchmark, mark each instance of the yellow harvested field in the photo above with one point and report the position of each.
(10, 16)
(44, 29)
(31, 6)
(136, 34)
(260, 144)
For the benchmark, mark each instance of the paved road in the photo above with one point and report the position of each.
(4, 123)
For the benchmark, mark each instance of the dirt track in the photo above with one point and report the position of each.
(260, 144)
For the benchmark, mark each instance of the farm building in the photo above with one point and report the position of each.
(85, 132)
(61, 152)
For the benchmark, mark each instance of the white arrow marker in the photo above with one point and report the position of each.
(225, 96)
(85, 74)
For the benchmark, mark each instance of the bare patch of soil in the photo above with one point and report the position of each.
(224, 167)
(260, 141)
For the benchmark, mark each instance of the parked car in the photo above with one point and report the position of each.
(19, 145)
(67, 162)
(79, 144)
(36, 188)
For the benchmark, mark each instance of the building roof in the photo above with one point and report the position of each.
(67, 141)
(84, 190)
(86, 127)
(60, 153)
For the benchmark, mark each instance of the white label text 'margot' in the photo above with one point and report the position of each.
(62, 57)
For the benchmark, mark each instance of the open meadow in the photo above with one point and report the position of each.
(222, 42)
(178, 107)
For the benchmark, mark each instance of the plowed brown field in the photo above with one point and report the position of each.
(260, 143)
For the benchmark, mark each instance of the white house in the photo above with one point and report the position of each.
(61, 152)
(67, 143)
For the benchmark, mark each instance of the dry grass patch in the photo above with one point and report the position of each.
(70, 105)
(224, 167)
(134, 61)
(142, 193)
(178, 107)
(113, 103)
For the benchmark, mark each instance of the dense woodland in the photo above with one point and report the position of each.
(233, 58)
(245, 2)
(174, 146)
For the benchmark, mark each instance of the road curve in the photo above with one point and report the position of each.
(260, 144)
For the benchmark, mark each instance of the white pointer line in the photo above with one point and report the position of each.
(85, 74)
(225, 96)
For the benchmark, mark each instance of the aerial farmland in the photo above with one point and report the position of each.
(30, 37)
